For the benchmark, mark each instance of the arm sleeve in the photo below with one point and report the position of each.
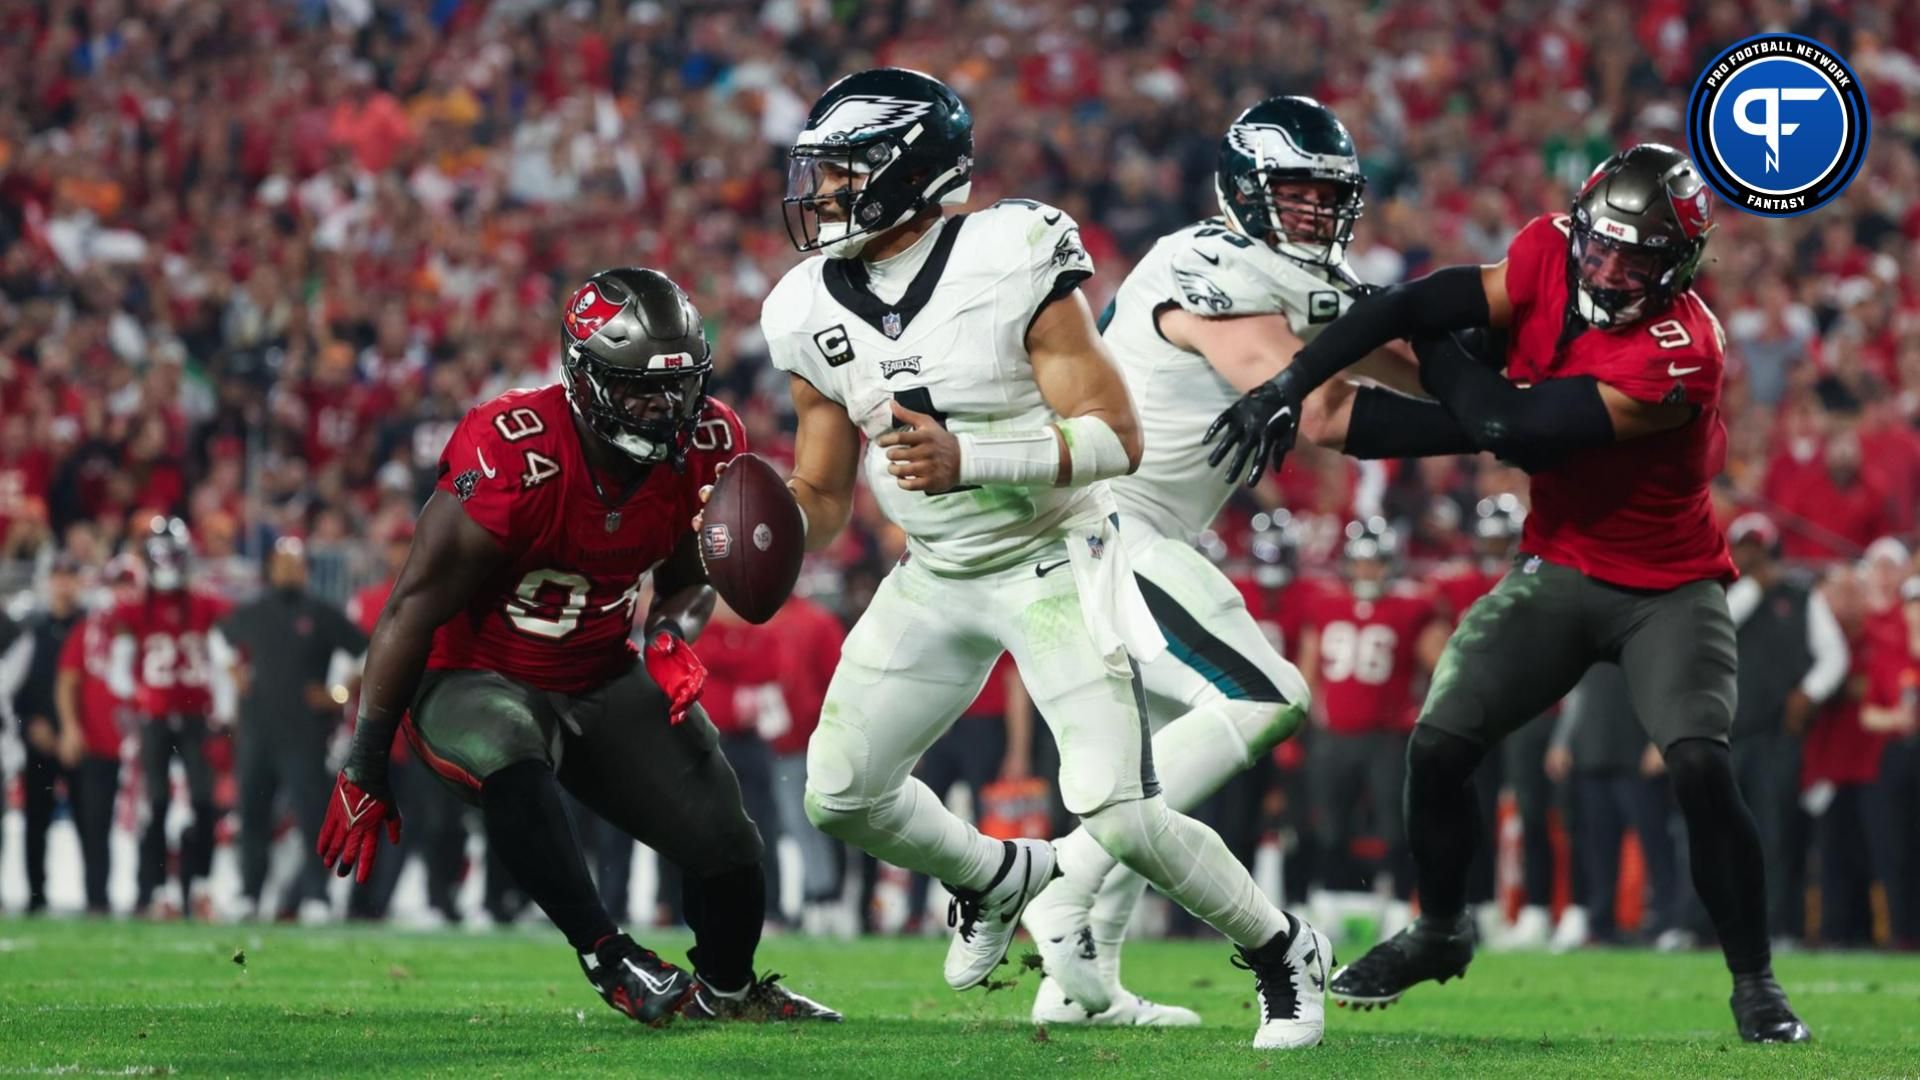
(1553, 417)
(1385, 424)
(1453, 298)
(1829, 647)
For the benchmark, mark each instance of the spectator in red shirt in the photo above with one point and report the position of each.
(1836, 512)
(1891, 711)
(93, 722)
(808, 639)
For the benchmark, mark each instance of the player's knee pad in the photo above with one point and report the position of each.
(838, 819)
(1438, 760)
(1701, 769)
(1130, 831)
(1259, 726)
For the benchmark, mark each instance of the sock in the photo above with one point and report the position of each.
(528, 827)
(1113, 908)
(726, 913)
(1191, 865)
(1724, 852)
(1193, 755)
(912, 829)
(1443, 819)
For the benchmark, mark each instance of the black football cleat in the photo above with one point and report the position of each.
(765, 1001)
(636, 981)
(1420, 952)
(1760, 1009)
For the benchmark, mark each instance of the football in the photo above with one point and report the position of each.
(752, 539)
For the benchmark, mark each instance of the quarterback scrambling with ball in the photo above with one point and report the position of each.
(503, 652)
(962, 348)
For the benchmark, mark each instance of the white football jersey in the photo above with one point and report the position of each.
(953, 347)
(1210, 270)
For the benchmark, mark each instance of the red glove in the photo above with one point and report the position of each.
(351, 833)
(677, 671)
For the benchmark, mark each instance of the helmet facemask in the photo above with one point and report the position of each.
(647, 415)
(1306, 215)
(1616, 282)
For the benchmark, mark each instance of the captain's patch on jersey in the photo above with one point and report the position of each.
(1323, 306)
(1202, 292)
(465, 484)
(834, 345)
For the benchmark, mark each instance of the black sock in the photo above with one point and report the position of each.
(1723, 852)
(1443, 819)
(528, 827)
(726, 913)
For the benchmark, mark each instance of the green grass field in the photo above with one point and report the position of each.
(80, 998)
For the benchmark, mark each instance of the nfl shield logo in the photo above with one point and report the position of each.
(613, 521)
(890, 324)
(1096, 545)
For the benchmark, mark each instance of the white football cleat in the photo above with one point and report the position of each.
(1290, 989)
(1067, 952)
(1050, 1006)
(984, 922)
(1571, 933)
(1530, 930)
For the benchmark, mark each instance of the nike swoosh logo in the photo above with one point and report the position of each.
(484, 467)
(1214, 259)
(1678, 371)
(655, 985)
(1042, 570)
(355, 814)
(1051, 220)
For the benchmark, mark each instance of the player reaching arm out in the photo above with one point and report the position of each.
(1479, 408)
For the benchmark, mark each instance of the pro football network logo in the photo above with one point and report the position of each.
(1778, 124)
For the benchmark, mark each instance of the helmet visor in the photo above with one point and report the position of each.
(823, 194)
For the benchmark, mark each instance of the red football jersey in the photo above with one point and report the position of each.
(1637, 513)
(1367, 660)
(558, 613)
(171, 671)
(87, 651)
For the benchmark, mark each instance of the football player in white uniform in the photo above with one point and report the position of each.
(1210, 311)
(961, 347)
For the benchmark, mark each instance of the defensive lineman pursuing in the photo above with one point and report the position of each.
(962, 347)
(1214, 309)
(1621, 559)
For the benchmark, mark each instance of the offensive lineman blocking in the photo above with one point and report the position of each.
(1212, 310)
(962, 348)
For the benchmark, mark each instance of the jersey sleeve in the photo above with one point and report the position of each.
(481, 469)
(1538, 249)
(1048, 240)
(719, 438)
(1215, 275)
(1674, 359)
(783, 315)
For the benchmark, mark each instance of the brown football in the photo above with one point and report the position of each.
(751, 538)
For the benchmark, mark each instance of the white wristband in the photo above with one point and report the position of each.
(1095, 450)
(1020, 458)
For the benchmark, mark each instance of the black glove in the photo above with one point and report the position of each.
(1260, 427)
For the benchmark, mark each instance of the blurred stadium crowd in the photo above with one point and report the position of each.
(258, 256)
